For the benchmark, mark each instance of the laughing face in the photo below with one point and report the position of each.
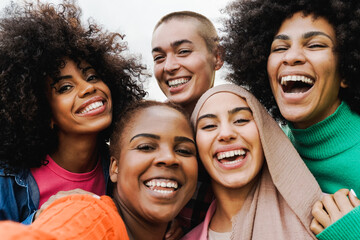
(228, 141)
(183, 65)
(80, 101)
(303, 70)
(156, 170)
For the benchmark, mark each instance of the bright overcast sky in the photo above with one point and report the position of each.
(137, 18)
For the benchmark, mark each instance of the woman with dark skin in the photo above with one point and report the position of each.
(300, 58)
(61, 83)
(154, 171)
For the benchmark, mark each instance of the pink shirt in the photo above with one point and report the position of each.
(200, 232)
(52, 178)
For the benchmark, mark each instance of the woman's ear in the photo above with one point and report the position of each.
(219, 56)
(343, 84)
(114, 169)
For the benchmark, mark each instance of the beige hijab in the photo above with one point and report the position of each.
(279, 206)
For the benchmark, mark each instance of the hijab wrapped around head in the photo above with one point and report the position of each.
(279, 206)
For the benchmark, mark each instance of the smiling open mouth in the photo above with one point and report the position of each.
(296, 84)
(162, 185)
(231, 157)
(91, 107)
(178, 82)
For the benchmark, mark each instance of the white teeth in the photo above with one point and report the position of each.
(177, 82)
(232, 162)
(232, 153)
(92, 106)
(164, 183)
(296, 78)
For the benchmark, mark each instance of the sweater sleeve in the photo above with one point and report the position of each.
(346, 228)
(72, 217)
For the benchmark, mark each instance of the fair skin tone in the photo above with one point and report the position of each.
(230, 149)
(303, 70)
(183, 65)
(81, 108)
(331, 208)
(155, 172)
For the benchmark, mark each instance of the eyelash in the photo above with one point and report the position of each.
(241, 121)
(145, 147)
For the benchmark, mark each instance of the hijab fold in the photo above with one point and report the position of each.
(279, 206)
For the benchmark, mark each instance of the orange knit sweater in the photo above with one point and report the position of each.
(71, 217)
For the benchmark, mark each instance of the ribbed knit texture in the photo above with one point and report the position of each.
(72, 217)
(346, 228)
(331, 149)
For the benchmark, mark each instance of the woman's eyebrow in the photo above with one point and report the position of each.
(316, 33)
(305, 35)
(147, 135)
(238, 109)
(179, 42)
(282, 37)
(84, 70)
(183, 139)
(173, 44)
(209, 115)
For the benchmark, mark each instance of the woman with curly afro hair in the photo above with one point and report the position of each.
(61, 83)
(302, 60)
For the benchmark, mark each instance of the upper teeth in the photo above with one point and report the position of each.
(286, 79)
(177, 82)
(232, 153)
(92, 106)
(162, 183)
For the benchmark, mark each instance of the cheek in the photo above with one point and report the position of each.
(203, 142)
(158, 70)
(271, 66)
(190, 167)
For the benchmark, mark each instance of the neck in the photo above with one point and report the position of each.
(229, 203)
(76, 154)
(137, 227)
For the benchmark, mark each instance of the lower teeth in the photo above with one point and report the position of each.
(232, 162)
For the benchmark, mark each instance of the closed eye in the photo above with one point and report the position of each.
(145, 147)
(241, 121)
(184, 152)
(208, 127)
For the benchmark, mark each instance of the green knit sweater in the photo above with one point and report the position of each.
(331, 150)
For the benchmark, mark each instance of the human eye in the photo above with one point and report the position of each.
(317, 45)
(93, 78)
(184, 51)
(279, 48)
(208, 127)
(241, 121)
(63, 88)
(158, 57)
(145, 147)
(185, 151)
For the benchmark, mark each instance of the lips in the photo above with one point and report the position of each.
(93, 105)
(296, 83)
(231, 157)
(178, 82)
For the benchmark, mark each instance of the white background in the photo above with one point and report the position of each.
(137, 18)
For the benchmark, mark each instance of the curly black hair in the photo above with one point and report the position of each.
(251, 26)
(34, 40)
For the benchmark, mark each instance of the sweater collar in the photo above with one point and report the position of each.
(335, 134)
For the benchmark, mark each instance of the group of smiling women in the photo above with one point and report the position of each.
(273, 156)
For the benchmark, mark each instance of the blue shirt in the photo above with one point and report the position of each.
(19, 194)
